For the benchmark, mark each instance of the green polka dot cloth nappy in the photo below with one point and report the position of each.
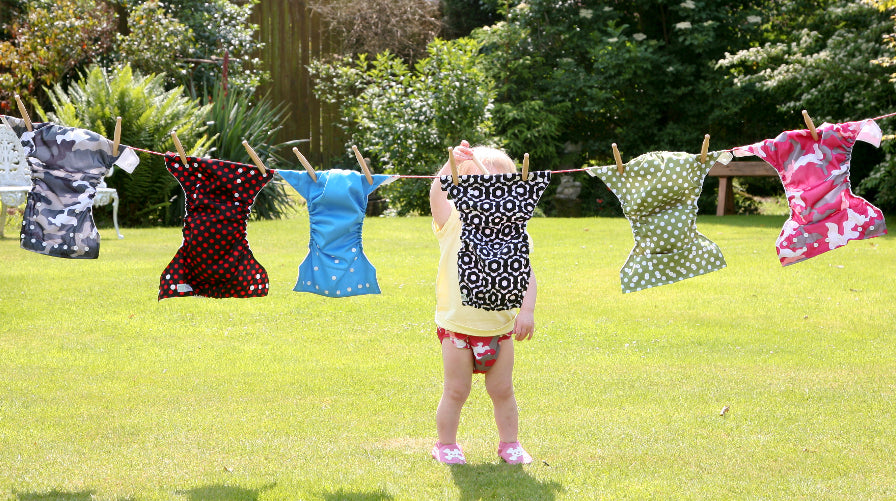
(658, 192)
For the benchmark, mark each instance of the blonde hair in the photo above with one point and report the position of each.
(494, 160)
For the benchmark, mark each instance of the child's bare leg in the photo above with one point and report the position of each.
(499, 383)
(458, 364)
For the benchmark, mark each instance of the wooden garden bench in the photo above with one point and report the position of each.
(725, 205)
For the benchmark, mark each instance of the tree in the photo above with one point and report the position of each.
(574, 76)
(189, 38)
(461, 17)
(8, 9)
(156, 42)
(890, 38)
(828, 66)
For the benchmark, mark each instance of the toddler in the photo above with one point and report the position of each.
(474, 340)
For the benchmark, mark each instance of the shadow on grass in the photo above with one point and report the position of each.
(55, 495)
(501, 481)
(341, 495)
(223, 493)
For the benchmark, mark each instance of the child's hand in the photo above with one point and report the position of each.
(524, 325)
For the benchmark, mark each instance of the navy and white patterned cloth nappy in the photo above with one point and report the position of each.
(493, 260)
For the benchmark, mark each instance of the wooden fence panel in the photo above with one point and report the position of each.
(293, 35)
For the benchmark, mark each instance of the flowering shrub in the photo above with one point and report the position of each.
(826, 66)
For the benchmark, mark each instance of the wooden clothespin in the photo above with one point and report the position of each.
(24, 113)
(305, 164)
(255, 159)
(810, 125)
(363, 164)
(704, 149)
(618, 158)
(453, 164)
(116, 141)
(525, 167)
(180, 149)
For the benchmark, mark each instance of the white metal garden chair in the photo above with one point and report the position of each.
(15, 174)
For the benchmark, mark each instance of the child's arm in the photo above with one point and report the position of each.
(524, 326)
(438, 200)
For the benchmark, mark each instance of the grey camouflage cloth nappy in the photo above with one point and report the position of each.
(67, 165)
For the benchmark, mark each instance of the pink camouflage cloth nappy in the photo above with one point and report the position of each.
(485, 349)
(824, 212)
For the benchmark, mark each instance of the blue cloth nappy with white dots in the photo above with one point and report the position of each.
(337, 202)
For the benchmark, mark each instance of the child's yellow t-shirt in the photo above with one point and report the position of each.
(451, 313)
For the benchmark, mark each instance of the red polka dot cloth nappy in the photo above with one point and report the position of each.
(214, 259)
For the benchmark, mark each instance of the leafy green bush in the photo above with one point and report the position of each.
(405, 118)
(235, 116)
(574, 77)
(49, 42)
(157, 43)
(149, 196)
(221, 26)
(880, 185)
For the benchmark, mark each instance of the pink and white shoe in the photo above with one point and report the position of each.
(448, 454)
(513, 453)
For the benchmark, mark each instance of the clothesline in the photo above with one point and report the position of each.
(407, 176)
(410, 176)
(824, 224)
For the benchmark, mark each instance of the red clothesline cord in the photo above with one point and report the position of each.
(436, 177)
(408, 176)
(163, 154)
(147, 151)
(399, 175)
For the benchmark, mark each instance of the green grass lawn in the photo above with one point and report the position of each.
(107, 394)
